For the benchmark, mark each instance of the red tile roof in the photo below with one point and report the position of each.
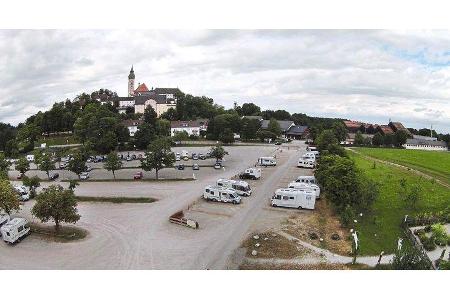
(141, 88)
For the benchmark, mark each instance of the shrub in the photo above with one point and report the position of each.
(419, 232)
(428, 243)
(444, 265)
(427, 228)
(439, 233)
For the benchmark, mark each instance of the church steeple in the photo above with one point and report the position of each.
(131, 78)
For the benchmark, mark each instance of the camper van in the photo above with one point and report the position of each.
(242, 188)
(309, 155)
(305, 186)
(294, 198)
(267, 161)
(220, 194)
(306, 163)
(15, 230)
(306, 179)
(311, 148)
(251, 173)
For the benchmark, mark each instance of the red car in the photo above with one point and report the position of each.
(138, 175)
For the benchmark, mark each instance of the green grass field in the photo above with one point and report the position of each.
(434, 163)
(57, 140)
(380, 229)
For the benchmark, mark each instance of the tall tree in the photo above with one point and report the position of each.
(77, 164)
(9, 201)
(4, 166)
(22, 165)
(113, 163)
(359, 139)
(158, 156)
(227, 136)
(218, 152)
(32, 183)
(46, 164)
(57, 204)
(144, 136)
(250, 109)
(274, 127)
(150, 115)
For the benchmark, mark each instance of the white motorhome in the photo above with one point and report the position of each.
(306, 179)
(220, 194)
(267, 161)
(241, 187)
(30, 157)
(306, 163)
(15, 230)
(251, 173)
(305, 186)
(311, 148)
(294, 198)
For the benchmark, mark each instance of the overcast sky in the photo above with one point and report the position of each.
(371, 76)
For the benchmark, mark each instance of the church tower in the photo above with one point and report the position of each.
(131, 78)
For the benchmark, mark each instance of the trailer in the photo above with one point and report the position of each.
(220, 194)
(305, 186)
(241, 187)
(294, 198)
(306, 163)
(179, 219)
(306, 179)
(15, 230)
(267, 161)
(251, 173)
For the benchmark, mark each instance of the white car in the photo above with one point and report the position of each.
(84, 175)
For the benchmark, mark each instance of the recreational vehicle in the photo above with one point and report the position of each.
(22, 192)
(311, 148)
(242, 188)
(306, 179)
(267, 161)
(251, 173)
(14, 230)
(220, 194)
(294, 198)
(306, 163)
(305, 186)
(309, 155)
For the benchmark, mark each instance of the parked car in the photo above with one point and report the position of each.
(217, 166)
(63, 166)
(177, 157)
(138, 175)
(278, 143)
(201, 156)
(84, 176)
(54, 176)
(20, 176)
(129, 158)
(88, 168)
(195, 167)
(194, 156)
(180, 167)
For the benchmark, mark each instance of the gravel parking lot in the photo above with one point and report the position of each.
(139, 236)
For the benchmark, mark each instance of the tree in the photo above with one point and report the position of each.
(249, 128)
(77, 164)
(162, 127)
(158, 156)
(326, 138)
(265, 134)
(73, 184)
(56, 204)
(359, 139)
(274, 127)
(150, 115)
(227, 136)
(218, 152)
(340, 131)
(4, 166)
(22, 165)
(32, 183)
(181, 136)
(113, 163)
(46, 164)
(11, 149)
(388, 139)
(144, 135)
(400, 137)
(409, 258)
(414, 196)
(250, 109)
(377, 139)
(9, 201)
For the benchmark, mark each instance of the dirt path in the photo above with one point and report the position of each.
(324, 256)
(417, 172)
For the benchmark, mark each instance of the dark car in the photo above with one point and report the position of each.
(278, 143)
(138, 175)
(180, 167)
(20, 176)
(195, 167)
(54, 176)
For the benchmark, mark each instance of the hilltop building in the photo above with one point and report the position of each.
(138, 99)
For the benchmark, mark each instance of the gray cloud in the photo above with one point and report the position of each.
(359, 74)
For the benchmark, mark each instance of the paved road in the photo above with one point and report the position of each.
(139, 236)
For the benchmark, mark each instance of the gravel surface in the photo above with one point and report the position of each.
(139, 236)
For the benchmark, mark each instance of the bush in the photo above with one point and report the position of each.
(427, 228)
(419, 232)
(444, 265)
(428, 243)
(347, 216)
(439, 233)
